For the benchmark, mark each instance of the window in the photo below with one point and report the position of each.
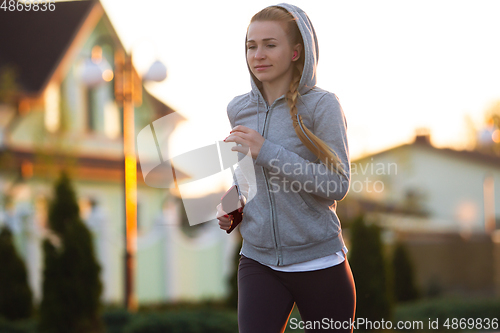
(103, 116)
(52, 110)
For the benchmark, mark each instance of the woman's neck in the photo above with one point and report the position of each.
(274, 90)
(272, 95)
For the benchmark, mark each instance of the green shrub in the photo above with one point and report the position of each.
(206, 304)
(19, 326)
(404, 281)
(116, 320)
(188, 321)
(232, 281)
(442, 309)
(16, 299)
(369, 268)
(71, 284)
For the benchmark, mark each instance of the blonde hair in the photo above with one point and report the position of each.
(320, 148)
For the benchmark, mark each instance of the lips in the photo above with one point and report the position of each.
(261, 67)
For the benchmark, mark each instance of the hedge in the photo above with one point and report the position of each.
(448, 308)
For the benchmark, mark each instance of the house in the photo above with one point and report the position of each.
(50, 119)
(451, 190)
(443, 203)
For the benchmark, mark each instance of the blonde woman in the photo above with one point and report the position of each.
(293, 251)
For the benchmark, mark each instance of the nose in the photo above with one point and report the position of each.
(259, 53)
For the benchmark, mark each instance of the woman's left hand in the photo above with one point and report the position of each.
(247, 138)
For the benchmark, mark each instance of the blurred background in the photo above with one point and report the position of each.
(88, 246)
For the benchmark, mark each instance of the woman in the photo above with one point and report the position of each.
(293, 251)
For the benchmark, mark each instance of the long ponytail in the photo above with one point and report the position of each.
(319, 147)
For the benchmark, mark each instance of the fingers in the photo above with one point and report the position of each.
(239, 138)
(240, 134)
(241, 149)
(240, 128)
(224, 219)
(236, 139)
(225, 225)
(224, 222)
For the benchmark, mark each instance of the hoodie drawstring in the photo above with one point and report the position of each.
(258, 121)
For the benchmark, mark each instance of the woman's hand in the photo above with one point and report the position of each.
(224, 219)
(247, 138)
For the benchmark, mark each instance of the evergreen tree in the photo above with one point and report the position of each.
(71, 285)
(16, 298)
(232, 298)
(404, 282)
(370, 272)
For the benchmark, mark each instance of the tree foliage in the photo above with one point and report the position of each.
(489, 136)
(16, 298)
(404, 281)
(9, 86)
(370, 272)
(71, 284)
(232, 298)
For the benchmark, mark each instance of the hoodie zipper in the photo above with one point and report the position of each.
(271, 199)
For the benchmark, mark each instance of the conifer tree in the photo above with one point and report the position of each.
(232, 298)
(404, 281)
(71, 284)
(370, 271)
(16, 298)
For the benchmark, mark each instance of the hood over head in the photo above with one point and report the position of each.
(310, 50)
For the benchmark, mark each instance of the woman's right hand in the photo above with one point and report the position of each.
(224, 220)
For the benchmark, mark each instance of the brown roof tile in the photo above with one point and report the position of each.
(34, 42)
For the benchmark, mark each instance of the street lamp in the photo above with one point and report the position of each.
(128, 93)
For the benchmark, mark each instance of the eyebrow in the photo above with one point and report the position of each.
(265, 40)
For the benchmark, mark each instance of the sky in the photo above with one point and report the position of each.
(395, 65)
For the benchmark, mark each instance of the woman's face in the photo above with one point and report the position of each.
(269, 53)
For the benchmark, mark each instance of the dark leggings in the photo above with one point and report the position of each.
(266, 298)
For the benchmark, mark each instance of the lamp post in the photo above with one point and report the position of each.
(128, 94)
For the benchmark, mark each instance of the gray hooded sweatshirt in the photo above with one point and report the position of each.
(292, 216)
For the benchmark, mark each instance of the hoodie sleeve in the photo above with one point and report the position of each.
(329, 125)
(238, 175)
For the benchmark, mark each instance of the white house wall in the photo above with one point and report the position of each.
(452, 186)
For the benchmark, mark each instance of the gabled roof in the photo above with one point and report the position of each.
(35, 42)
(421, 142)
(161, 109)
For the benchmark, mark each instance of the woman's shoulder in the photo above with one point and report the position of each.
(239, 102)
(319, 93)
(318, 97)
